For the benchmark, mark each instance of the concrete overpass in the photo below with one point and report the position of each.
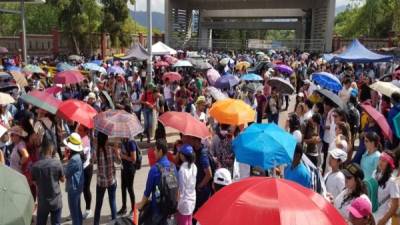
(311, 19)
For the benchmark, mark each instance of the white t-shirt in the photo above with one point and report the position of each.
(135, 99)
(329, 136)
(342, 208)
(335, 183)
(344, 94)
(187, 189)
(385, 196)
(167, 92)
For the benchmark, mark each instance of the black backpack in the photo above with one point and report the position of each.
(168, 188)
(49, 137)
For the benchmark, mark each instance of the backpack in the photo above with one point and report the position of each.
(372, 188)
(168, 189)
(133, 145)
(49, 137)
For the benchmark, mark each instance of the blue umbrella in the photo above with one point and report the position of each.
(64, 66)
(251, 77)
(116, 70)
(264, 145)
(226, 82)
(13, 68)
(94, 67)
(97, 62)
(327, 81)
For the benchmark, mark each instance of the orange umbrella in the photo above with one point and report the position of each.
(232, 112)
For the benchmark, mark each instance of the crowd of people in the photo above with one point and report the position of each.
(341, 152)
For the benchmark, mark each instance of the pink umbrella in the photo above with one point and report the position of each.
(161, 64)
(68, 77)
(212, 76)
(172, 76)
(170, 59)
(53, 90)
(379, 119)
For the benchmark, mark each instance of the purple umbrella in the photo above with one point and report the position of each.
(3, 50)
(115, 70)
(226, 82)
(282, 68)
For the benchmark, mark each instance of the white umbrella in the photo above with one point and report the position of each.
(6, 99)
(182, 63)
(386, 88)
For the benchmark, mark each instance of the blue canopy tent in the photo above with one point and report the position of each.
(358, 53)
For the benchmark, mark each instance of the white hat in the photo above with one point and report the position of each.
(337, 153)
(301, 95)
(223, 177)
(74, 142)
(92, 95)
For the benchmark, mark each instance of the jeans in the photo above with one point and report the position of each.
(170, 104)
(88, 173)
(100, 191)
(138, 115)
(148, 121)
(74, 204)
(127, 177)
(273, 118)
(42, 214)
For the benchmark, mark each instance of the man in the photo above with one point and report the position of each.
(297, 171)
(261, 105)
(168, 94)
(47, 174)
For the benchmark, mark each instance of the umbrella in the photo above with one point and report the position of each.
(68, 77)
(3, 50)
(203, 66)
(261, 145)
(32, 69)
(185, 123)
(379, 119)
(108, 98)
(226, 82)
(216, 93)
(212, 76)
(242, 65)
(386, 88)
(77, 111)
(253, 86)
(327, 81)
(283, 68)
(118, 123)
(182, 63)
(161, 64)
(170, 59)
(19, 78)
(116, 70)
(224, 61)
(94, 67)
(64, 66)
(272, 201)
(332, 97)
(251, 77)
(53, 90)
(13, 68)
(16, 198)
(6, 99)
(97, 62)
(232, 111)
(283, 86)
(43, 100)
(172, 76)
(74, 57)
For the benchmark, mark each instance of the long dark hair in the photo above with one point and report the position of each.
(374, 137)
(387, 173)
(101, 144)
(357, 192)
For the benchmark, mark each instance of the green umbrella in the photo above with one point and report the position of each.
(42, 100)
(32, 69)
(16, 198)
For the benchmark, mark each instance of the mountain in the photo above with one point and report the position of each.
(141, 18)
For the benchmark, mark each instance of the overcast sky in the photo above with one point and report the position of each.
(158, 5)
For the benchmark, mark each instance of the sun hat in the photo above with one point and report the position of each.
(186, 149)
(18, 131)
(338, 153)
(201, 99)
(222, 176)
(74, 142)
(353, 170)
(360, 207)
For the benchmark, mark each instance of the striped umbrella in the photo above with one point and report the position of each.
(118, 123)
(42, 100)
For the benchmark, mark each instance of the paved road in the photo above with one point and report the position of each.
(139, 183)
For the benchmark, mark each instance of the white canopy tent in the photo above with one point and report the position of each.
(160, 48)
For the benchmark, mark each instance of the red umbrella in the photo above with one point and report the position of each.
(184, 123)
(172, 76)
(257, 200)
(161, 64)
(68, 77)
(77, 111)
(379, 119)
(53, 90)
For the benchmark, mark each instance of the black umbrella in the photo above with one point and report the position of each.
(283, 86)
(332, 97)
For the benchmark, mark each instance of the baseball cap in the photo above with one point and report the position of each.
(186, 149)
(353, 170)
(222, 176)
(337, 153)
(360, 207)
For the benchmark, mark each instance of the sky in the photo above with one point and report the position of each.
(158, 5)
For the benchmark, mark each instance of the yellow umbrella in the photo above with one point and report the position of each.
(242, 65)
(19, 78)
(232, 112)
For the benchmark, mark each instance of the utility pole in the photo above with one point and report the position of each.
(149, 77)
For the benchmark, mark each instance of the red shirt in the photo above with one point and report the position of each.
(149, 97)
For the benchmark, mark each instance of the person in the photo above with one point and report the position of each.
(360, 212)
(395, 98)
(261, 105)
(148, 101)
(222, 178)
(106, 155)
(273, 106)
(43, 125)
(354, 188)
(221, 147)
(388, 189)
(187, 185)
(19, 155)
(199, 113)
(128, 157)
(47, 174)
(168, 94)
(297, 171)
(73, 169)
(335, 180)
(370, 126)
(152, 185)
(345, 93)
(135, 101)
(370, 159)
(312, 138)
(328, 136)
(87, 168)
(293, 126)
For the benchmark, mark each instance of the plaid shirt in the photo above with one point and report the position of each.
(105, 167)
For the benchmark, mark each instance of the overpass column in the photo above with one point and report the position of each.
(204, 33)
(168, 21)
(331, 4)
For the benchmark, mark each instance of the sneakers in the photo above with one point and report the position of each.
(87, 214)
(122, 211)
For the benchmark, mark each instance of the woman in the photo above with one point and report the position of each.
(199, 113)
(148, 101)
(312, 138)
(360, 212)
(19, 155)
(274, 105)
(135, 100)
(187, 185)
(388, 189)
(371, 126)
(300, 111)
(293, 126)
(73, 169)
(106, 175)
(354, 188)
(87, 168)
(370, 159)
(335, 180)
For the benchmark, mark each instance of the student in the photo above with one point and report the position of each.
(222, 178)
(297, 171)
(47, 174)
(360, 212)
(370, 159)
(335, 180)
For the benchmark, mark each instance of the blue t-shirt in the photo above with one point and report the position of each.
(299, 174)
